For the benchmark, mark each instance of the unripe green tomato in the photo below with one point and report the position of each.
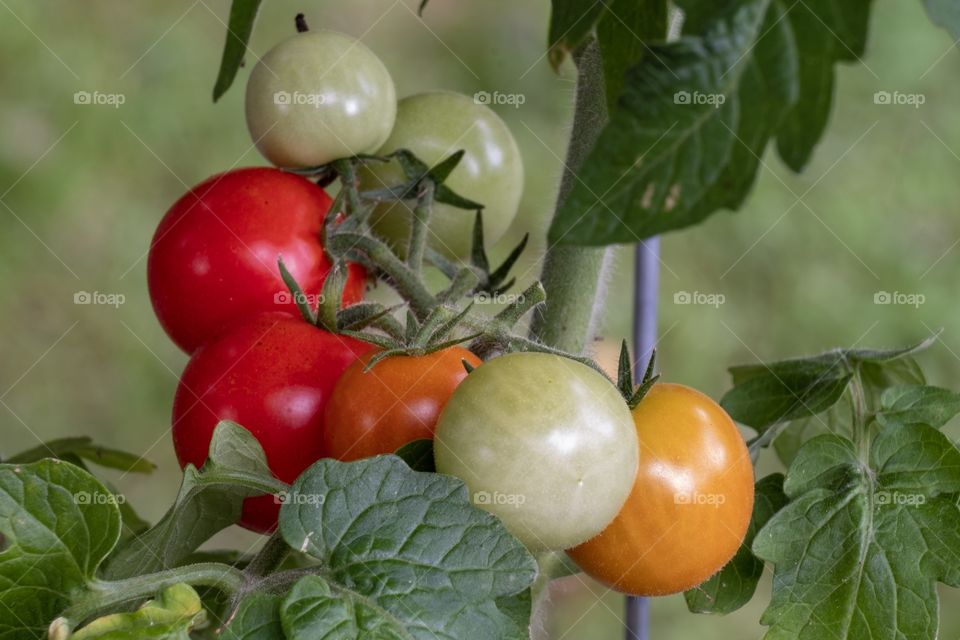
(543, 442)
(433, 126)
(317, 97)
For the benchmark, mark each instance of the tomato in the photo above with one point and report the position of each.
(543, 442)
(394, 403)
(317, 97)
(274, 375)
(691, 503)
(213, 259)
(433, 126)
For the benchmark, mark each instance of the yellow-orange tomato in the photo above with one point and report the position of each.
(690, 505)
(396, 402)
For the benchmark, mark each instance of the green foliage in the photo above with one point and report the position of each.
(171, 616)
(243, 14)
(695, 115)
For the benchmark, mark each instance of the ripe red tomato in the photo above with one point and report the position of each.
(213, 259)
(690, 505)
(273, 375)
(396, 402)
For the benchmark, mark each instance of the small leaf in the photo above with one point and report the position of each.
(57, 524)
(908, 406)
(440, 172)
(418, 455)
(765, 400)
(210, 499)
(736, 583)
(257, 618)
(84, 448)
(243, 14)
(571, 23)
(171, 616)
(379, 528)
(623, 33)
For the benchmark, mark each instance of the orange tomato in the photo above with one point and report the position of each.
(396, 402)
(690, 505)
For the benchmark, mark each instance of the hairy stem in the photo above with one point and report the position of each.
(572, 275)
(418, 229)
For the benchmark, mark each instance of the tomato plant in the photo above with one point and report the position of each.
(691, 501)
(434, 125)
(274, 374)
(544, 443)
(213, 258)
(395, 402)
(535, 451)
(317, 97)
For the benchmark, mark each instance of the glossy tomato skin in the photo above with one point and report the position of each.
(213, 259)
(545, 443)
(690, 506)
(273, 375)
(396, 402)
(433, 126)
(317, 97)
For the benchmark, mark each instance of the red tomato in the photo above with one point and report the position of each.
(273, 375)
(213, 259)
(396, 402)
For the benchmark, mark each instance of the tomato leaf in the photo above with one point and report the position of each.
(84, 448)
(572, 22)
(209, 500)
(380, 527)
(170, 617)
(945, 13)
(418, 455)
(906, 406)
(695, 115)
(766, 400)
(257, 618)
(622, 34)
(57, 524)
(736, 583)
(243, 15)
(860, 546)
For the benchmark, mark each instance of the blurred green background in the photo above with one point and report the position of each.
(82, 187)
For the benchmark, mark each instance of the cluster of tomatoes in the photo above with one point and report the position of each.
(544, 442)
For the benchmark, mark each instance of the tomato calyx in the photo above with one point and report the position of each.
(633, 395)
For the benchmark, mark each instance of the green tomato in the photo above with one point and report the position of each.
(433, 126)
(317, 97)
(543, 442)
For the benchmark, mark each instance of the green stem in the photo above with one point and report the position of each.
(572, 275)
(861, 436)
(105, 595)
(419, 228)
(271, 556)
